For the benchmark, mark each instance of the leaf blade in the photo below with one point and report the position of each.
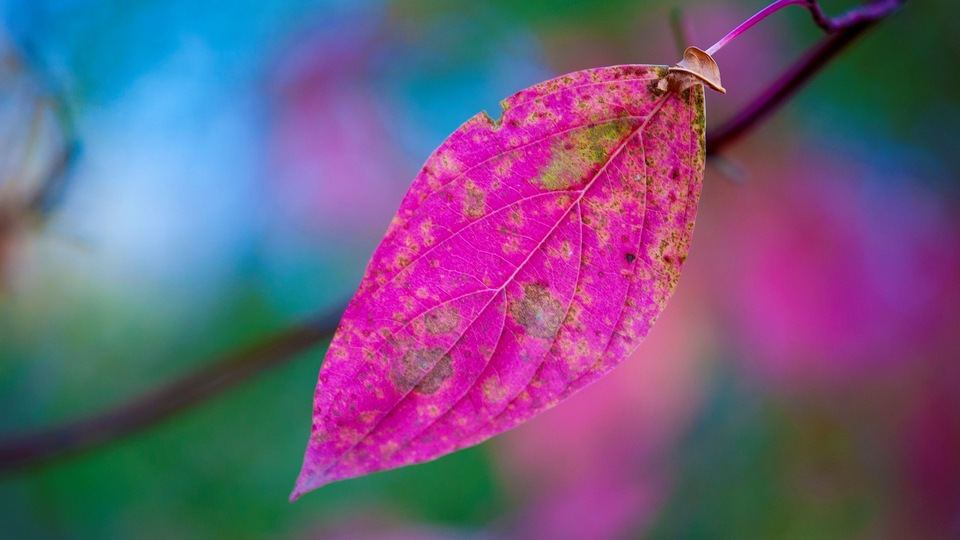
(488, 271)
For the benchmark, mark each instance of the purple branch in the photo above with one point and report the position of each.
(871, 12)
(141, 412)
(842, 30)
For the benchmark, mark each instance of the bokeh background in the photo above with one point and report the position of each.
(182, 178)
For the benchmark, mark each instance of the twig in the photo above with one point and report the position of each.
(870, 12)
(142, 412)
(159, 404)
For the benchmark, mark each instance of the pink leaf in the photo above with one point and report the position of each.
(531, 255)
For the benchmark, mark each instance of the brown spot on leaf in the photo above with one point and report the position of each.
(538, 312)
(413, 366)
(475, 201)
(442, 320)
(517, 217)
(493, 390)
(436, 377)
(630, 257)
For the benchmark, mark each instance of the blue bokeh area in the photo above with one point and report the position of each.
(228, 167)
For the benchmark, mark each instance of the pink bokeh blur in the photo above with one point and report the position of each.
(818, 274)
(599, 464)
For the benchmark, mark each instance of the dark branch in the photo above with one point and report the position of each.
(842, 31)
(159, 404)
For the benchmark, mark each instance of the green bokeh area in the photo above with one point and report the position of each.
(171, 246)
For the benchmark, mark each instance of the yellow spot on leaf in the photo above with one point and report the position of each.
(574, 157)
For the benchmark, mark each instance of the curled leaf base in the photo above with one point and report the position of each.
(697, 67)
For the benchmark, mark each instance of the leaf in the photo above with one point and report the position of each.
(530, 256)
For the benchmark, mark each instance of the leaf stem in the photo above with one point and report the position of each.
(757, 17)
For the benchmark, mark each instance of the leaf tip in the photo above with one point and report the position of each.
(305, 485)
(308, 480)
(299, 489)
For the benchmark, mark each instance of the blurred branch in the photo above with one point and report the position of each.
(34, 171)
(159, 404)
(194, 388)
(20, 70)
(841, 31)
